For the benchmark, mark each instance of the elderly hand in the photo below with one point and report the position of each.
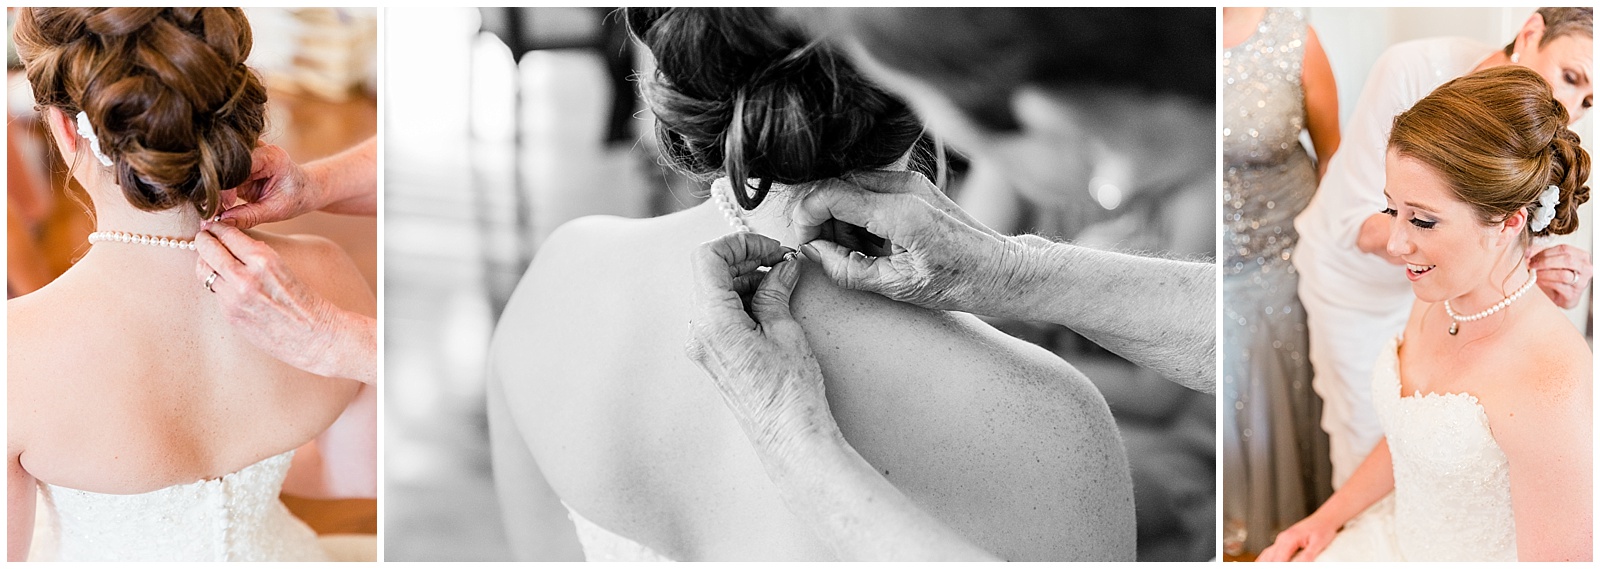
(1564, 273)
(742, 334)
(939, 257)
(1303, 541)
(274, 310)
(277, 189)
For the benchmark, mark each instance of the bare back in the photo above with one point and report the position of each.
(1000, 439)
(124, 376)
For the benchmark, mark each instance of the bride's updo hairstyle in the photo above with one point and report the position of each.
(1500, 139)
(166, 90)
(741, 93)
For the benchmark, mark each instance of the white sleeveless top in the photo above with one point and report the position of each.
(237, 517)
(1452, 483)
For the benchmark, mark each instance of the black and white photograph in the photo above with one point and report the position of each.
(800, 284)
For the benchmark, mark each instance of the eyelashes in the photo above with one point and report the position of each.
(1420, 223)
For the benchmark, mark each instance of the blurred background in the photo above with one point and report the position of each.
(504, 123)
(319, 68)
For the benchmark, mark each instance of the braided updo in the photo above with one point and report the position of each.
(741, 93)
(166, 90)
(1500, 138)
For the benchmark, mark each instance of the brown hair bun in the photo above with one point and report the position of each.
(166, 91)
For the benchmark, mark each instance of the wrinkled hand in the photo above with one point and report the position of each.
(940, 257)
(1303, 541)
(265, 302)
(742, 334)
(1564, 273)
(277, 189)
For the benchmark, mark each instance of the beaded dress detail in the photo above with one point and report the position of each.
(1452, 484)
(237, 517)
(1275, 455)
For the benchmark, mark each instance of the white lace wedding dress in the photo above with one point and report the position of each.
(237, 517)
(1452, 485)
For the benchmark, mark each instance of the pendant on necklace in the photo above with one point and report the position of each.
(1454, 327)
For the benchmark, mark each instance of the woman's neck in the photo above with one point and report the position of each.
(1506, 279)
(770, 218)
(112, 212)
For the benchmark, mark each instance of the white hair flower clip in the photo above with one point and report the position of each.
(87, 131)
(1546, 210)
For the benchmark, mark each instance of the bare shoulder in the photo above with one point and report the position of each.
(37, 323)
(1545, 383)
(593, 241)
(919, 391)
(572, 258)
(581, 254)
(24, 361)
(1557, 368)
(325, 266)
(840, 316)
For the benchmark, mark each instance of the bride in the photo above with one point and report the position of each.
(140, 426)
(1485, 399)
(608, 441)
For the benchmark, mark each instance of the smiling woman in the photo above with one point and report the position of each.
(1463, 190)
(1485, 399)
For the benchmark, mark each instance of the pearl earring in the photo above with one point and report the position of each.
(1515, 57)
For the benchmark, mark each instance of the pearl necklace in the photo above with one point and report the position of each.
(137, 239)
(719, 194)
(1455, 326)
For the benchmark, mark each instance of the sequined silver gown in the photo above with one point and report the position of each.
(1276, 468)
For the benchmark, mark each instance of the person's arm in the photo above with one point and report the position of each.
(1155, 312)
(763, 366)
(1158, 313)
(1322, 101)
(349, 180)
(278, 189)
(1548, 437)
(1306, 539)
(21, 499)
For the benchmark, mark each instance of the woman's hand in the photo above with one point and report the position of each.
(1564, 273)
(280, 314)
(939, 256)
(1303, 541)
(277, 189)
(742, 334)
